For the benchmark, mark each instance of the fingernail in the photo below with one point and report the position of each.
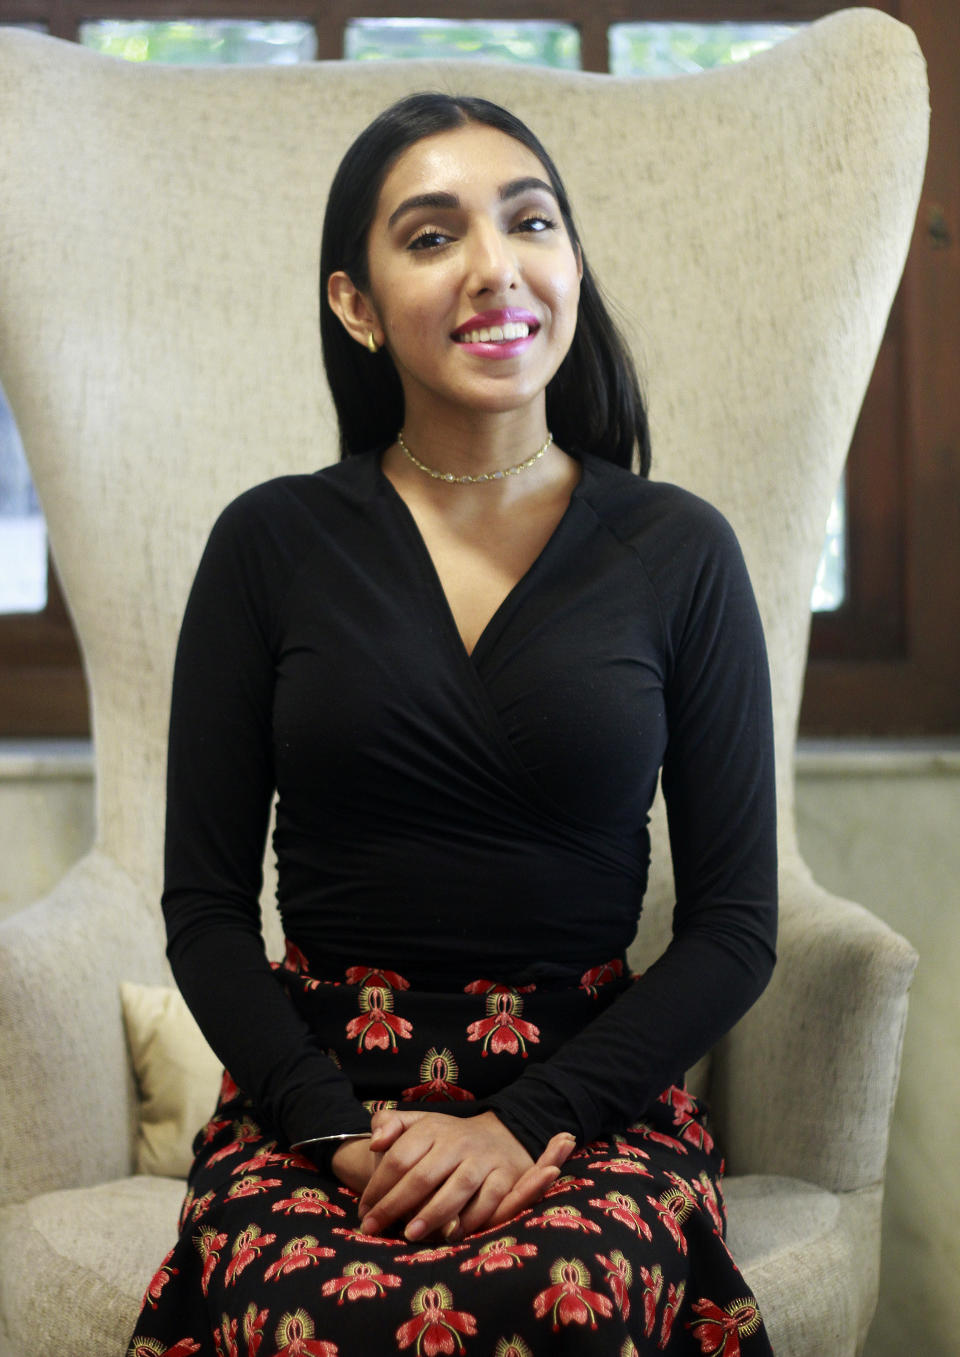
(415, 1230)
(368, 1226)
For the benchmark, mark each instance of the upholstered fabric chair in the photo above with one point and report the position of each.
(158, 344)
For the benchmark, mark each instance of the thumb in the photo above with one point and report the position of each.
(388, 1125)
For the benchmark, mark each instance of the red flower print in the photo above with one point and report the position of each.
(377, 1025)
(431, 1255)
(511, 1347)
(684, 1108)
(568, 1183)
(213, 1128)
(297, 1253)
(621, 1166)
(497, 1254)
(245, 1133)
(569, 1300)
(674, 1301)
(628, 1151)
(252, 1185)
(201, 1206)
(225, 1338)
(294, 959)
(209, 1244)
(380, 1104)
(698, 1135)
(160, 1279)
(370, 975)
(153, 1347)
(619, 1278)
(435, 1327)
(229, 1088)
(601, 975)
(253, 1325)
(673, 1208)
(623, 1208)
(492, 987)
(246, 1247)
(439, 1072)
(295, 1338)
(566, 1218)
(503, 1029)
(266, 1158)
(652, 1290)
(711, 1201)
(308, 1200)
(718, 1331)
(360, 1281)
(629, 1348)
(659, 1138)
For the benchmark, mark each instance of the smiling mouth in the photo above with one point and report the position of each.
(496, 334)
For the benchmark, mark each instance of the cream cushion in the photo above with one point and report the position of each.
(178, 1076)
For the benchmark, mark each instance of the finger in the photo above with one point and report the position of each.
(558, 1149)
(394, 1167)
(387, 1125)
(483, 1208)
(411, 1192)
(527, 1190)
(450, 1199)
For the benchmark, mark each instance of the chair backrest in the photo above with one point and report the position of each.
(158, 312)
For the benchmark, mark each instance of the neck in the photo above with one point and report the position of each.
(470, 443)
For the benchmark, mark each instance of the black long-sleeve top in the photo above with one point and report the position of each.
(452, 815)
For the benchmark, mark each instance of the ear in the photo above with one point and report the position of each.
(354, 310)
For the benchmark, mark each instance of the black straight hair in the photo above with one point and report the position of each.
(593, 403)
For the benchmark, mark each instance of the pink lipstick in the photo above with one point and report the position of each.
(497, 334)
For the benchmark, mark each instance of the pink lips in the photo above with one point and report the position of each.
(503, 348)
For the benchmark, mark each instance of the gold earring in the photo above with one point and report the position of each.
(372, 344)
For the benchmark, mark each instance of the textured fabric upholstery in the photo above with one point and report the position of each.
(158, 344)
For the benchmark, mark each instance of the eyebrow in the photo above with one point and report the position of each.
(441, 200)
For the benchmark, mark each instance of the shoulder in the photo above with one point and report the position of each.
(663, 523)
(288, 514)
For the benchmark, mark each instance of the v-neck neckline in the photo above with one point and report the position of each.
(474, 656)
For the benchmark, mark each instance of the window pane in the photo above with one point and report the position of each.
(663, 49)
(209, 42)
(830, 585)
(529, 42)
(23, 536)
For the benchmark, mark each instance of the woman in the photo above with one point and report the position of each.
(451, 1121)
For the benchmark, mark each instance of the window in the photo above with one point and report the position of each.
(884, 658)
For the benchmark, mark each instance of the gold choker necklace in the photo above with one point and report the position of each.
(474, 480)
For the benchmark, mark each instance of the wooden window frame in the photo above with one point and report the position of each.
(888, 661)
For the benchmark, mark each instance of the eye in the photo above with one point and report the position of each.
(430, 238)
(536, 222)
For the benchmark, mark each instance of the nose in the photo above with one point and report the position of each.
(492, 265)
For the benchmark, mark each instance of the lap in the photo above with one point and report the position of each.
(624, 1254)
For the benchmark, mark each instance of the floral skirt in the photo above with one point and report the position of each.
(624, 1255)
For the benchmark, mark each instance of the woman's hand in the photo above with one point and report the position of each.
(452, 1175)
(354, 1163)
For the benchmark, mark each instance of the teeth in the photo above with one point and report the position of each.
(496, 334)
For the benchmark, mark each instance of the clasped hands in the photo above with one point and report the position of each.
(443, 1175)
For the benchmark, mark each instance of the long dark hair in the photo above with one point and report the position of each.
(593, 403)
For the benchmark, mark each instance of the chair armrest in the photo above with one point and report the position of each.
(804, 1085)
(68, 1105)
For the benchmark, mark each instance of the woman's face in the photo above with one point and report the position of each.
(474, 282)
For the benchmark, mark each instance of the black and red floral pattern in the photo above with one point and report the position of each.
(624, 1255)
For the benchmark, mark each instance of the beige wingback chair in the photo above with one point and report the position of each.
(158, 344)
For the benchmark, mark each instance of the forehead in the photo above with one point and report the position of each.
(470, 156)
